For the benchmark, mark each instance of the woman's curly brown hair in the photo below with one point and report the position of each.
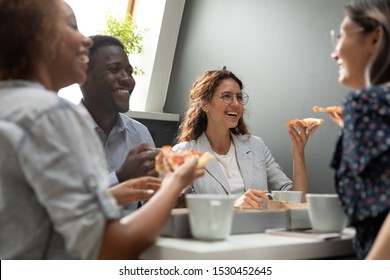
(28, 29)
(201, 93)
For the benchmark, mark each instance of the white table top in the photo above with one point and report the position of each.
(251, 246)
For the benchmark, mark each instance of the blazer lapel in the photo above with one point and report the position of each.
(213, 167)
(244, 159)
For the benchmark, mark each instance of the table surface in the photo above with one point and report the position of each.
(252, 246)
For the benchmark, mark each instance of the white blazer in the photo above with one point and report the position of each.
(258, 168)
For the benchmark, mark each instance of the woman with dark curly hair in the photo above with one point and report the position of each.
(243, 165)
(55, 202)
(16, 60)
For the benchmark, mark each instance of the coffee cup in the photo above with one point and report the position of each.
(326, 213)
(290, 196)
(210, 215)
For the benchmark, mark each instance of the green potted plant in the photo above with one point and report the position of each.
(126, 30)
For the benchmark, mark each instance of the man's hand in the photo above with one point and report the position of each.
(139, 162)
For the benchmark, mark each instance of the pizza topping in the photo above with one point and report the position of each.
(168, 160)
(306, 122)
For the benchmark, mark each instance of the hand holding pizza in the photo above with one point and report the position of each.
(168, 160)
(300, 130)
(182, 177)
(334, 112)
(299, 135)
(337, 118)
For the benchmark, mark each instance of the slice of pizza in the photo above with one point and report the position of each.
(168, 160)
(330, 109)
(306, 122)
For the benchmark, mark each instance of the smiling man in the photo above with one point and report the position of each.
(106, 95)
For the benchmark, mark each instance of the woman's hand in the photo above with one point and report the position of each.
(299, 136)
(252, 199)
(137, 189)
(184, 175)
(337, 118)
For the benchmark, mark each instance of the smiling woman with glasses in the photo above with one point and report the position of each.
(335, 36)
(362, 156)
(243, 165)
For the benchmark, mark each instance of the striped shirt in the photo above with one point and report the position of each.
(125, 135)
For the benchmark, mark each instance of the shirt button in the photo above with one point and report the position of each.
(91, 182)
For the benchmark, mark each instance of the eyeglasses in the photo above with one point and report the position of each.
(336, 36)
(228, 97)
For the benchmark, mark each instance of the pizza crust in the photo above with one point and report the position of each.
(330, 109)
(159, 163)
(204, 159)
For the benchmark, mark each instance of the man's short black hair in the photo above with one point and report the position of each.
(104, 41)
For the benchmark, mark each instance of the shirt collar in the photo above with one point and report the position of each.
(118, 127)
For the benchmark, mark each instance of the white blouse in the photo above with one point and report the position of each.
(229, 166)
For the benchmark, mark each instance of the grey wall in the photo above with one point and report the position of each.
(281, 51)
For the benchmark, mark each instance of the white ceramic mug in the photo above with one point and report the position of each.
(211, 215)
(326, 213)
(291, 196)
